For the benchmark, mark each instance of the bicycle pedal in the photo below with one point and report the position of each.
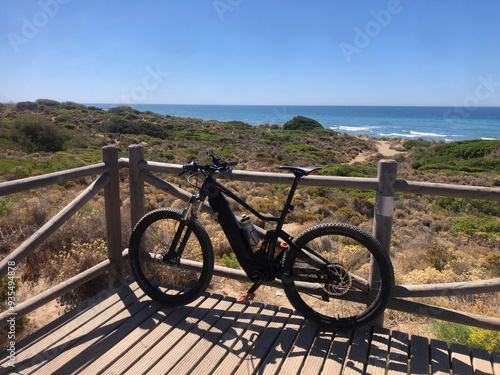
(246, 297)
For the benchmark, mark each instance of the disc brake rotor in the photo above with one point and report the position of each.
(342, 281)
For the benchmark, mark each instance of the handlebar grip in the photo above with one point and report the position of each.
(190, 167)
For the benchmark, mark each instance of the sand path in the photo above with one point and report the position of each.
(383, 147)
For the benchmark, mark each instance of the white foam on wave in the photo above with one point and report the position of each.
(353, 128)
(420, 134)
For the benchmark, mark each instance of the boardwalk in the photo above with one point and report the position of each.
(120, 331)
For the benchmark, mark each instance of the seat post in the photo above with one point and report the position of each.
(288, 202)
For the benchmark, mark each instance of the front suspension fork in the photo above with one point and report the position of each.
(174, 254)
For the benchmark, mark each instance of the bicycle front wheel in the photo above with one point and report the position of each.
(176, 282)
(328, 276)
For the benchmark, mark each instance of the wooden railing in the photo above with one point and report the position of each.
(140, 170)
(109, 181)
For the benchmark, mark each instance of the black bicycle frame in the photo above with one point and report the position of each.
(254, 264)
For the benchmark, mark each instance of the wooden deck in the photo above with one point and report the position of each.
(121, 331)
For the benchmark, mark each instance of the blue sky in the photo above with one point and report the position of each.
(276, 52)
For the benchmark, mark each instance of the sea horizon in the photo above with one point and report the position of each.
(438, 123)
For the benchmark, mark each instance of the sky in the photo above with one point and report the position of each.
(254, 52)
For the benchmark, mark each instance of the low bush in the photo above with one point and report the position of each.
(301, 123)
(36, 133)
(473, 225)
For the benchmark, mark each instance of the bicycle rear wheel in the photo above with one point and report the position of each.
(170, 283)
(326, 277)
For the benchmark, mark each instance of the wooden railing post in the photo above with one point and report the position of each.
(112, 212)
(382, 222)
(137, 206)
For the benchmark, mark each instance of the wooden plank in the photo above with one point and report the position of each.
(278, 353)
(379, 350)
(228, 341)
(481, 363)
(117, 332)
(208, 340)
(49, 346)
(102, 339)
(338, 352)
(246, 342)
(358, 353)
(318, 353)
(258, 353)
(168, 342)
(460, 359)
(495, 361)
(180, 353)
(440, 358)
(121, 348)
(398, 353)
(147, 343)
(419, 355)
(81, 339)
(62, 320)
(295, 359)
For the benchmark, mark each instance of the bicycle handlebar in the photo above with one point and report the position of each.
(219, 165)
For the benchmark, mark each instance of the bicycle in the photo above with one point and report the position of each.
(325, 270)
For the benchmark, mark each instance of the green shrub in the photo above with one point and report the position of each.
(347, 170)
(472, 337)
(301, 123)
(301, 148)
(5, 288)
(468, 156)
(47, 102)
(476, 148)
(229, 261)
(26, 106)
(36, 133)
(468, 206)
(414, 143)
(452, 333)
(471, 226)
(5, 206)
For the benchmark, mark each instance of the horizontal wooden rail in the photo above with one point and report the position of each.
(28, 246)
(448, 289)
(441, 313)
(51, 178)
(55, 292)
(471, 192)
(447, 190)
(273, 178)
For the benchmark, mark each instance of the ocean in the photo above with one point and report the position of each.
(431, 123)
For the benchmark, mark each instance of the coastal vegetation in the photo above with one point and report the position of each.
(435, 239)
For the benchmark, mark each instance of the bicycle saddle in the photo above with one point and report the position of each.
(300, 171)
